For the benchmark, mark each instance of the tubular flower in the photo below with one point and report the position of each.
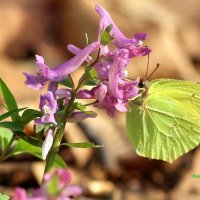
(78, 116)
(48, 106)
(117, 72)
(132, 44)
(59, 72)
(103, 66)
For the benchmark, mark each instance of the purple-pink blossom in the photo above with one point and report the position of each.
(48, 141)
(120, 40)
(62, 191)
(59, 72)
(78, 116)
(48, 106)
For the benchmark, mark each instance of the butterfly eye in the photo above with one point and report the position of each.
(141, 84)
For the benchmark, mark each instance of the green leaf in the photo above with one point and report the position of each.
(5, 137)
(29, 115)
(91, 78)
(31, 140)
(106, 37)
(67, 82)
(8, 114)
(59, 162)
(82, 145)
(12, 125)
(24, 147)
(165, 122)
(39, 128)
(8, 98)
(52, 186)
(4, 197)
(79, 106)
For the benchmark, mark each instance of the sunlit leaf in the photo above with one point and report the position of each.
(5, 137)
(106, 37)
(10, 113)
(4, 197)
(24, 147)
(8, 98)
(31, 140)
(29, 115)
(82, 145)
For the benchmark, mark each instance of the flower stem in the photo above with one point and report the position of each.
(60, 131)
(59, 134)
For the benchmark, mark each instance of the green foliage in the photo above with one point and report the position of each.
(59, 162)
(91, 78)
(9, 99)
(15, 126)
(29, 115)
(31, 140)
(79, 106)
(10, 113)
(23, 146)
(81, 145)
(67, 82)
(52, 186)
(106, 37)
(164, 123)
(4, 197)
(5, 137)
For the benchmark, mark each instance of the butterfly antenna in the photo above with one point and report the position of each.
(147, 68)
(152, 72)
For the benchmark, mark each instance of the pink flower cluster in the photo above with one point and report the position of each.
(111, 92)
(55, 187)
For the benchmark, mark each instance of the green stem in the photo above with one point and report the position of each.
(3, 155)
(60, 132)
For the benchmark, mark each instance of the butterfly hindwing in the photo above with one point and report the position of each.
(165, 123)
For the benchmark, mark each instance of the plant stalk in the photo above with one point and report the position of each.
(60, 132)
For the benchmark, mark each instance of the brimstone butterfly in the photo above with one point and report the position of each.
(164, 120)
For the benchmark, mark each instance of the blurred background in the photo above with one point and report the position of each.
(45, 27)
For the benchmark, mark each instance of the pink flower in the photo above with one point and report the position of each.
(47, 144)
(62, 190)
(133, 45)
(59, 72)
(48, 105)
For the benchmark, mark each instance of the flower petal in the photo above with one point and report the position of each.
(120, 40)
(64, 176)
(20, 194)
(72, 190)
(35, 82)
(75, 50)
(47, 143)
(116, 73)
(60, 72)
(48, 105)
(79, 116)
(101, 92)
